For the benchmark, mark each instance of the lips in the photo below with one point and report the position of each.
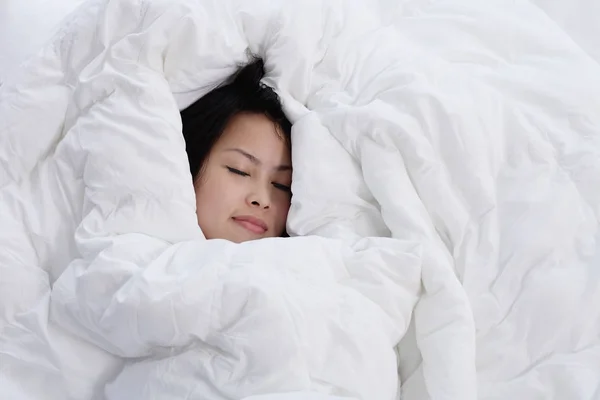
(253, 224)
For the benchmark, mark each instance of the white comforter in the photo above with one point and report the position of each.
(468, 132)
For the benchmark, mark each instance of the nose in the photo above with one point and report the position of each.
(259, 197)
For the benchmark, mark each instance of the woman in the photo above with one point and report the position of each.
(238, 145)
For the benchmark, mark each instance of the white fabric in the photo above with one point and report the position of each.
(580, 19)
(25, 26)
(467, 131)
(101, 207)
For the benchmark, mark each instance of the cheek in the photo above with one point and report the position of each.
(202, 207)
(216, 197)
(209, 203)
(282, 213)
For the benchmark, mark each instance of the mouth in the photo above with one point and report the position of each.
(253, 224)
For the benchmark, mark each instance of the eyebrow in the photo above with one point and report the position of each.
(256, 161)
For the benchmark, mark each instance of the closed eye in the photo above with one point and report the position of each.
(282, 187)
(237, 172)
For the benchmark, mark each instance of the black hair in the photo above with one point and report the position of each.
(205, 120)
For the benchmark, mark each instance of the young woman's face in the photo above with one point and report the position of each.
(243, 192)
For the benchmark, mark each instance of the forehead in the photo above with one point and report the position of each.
(256, 134)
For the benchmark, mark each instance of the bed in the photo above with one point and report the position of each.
(444, 220)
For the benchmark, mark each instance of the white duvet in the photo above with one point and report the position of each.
(446, 172)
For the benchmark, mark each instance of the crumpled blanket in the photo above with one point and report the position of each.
(100, 208)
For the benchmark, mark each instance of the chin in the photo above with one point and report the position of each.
(248, 239)
(238, 238)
